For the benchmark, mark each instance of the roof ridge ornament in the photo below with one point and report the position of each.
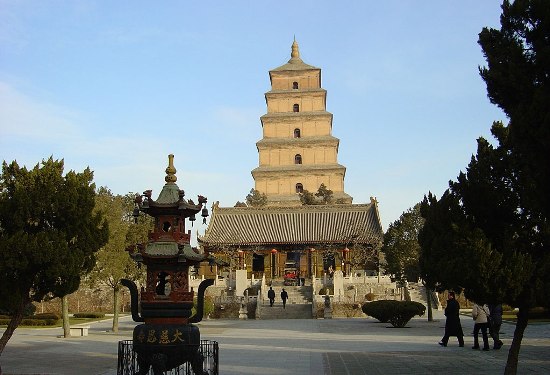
(170, 170)
(295, 53)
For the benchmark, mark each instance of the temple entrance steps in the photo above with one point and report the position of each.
(296, 294)
(298, 305)
(292, 311)
(417, 292)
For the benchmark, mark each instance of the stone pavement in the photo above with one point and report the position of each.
(287, 346)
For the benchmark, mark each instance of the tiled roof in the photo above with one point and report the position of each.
(308, 225)
(294, 64)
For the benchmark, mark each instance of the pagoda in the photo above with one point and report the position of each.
(298, 151)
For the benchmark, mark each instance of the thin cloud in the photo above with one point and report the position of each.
(24, 116)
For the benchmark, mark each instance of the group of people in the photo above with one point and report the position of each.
(271, 296)
(488, 319)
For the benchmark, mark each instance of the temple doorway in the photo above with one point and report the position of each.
(258, 265)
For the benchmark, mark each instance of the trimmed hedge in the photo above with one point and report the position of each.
(32, 322)
(49, 315)
(39, 320)
(89, 315)
(398, 313)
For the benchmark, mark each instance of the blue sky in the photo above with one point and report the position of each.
(119, 85)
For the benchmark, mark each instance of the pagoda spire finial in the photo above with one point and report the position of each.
(170, 170)
(295, 54)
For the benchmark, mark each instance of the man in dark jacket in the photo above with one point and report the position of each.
(452, 324)
(496, 322)
(271, 296)
(284, 297)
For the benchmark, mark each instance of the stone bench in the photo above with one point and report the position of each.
(79, 330)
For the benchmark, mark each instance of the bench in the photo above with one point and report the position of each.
(79, 330)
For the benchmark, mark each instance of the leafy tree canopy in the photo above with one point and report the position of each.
(494, 218)
(49, 233)
(307, 198)
(517, 76)
(489, 234)
(325, 194)
(401, 247)
(256, 199)
(113, 262)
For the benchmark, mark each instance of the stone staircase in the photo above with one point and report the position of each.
(298, 305)
(292, 311)
(417, 292)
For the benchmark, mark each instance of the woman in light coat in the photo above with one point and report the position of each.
(480, 315)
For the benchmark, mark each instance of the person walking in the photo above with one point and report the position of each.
(496, 321)
(271, 296)
(452, 323)
(284, 297)
(480, 313)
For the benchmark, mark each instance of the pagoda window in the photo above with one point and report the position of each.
(299, 188)
(296, 108)
(295, 85)
(297, 133)
(298, 159)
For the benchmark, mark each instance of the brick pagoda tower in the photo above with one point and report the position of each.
(297, 151)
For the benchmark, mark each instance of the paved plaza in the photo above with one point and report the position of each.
(288, 346)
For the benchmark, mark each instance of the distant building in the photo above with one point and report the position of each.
(297, 153)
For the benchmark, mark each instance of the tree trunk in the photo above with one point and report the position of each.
(429, 303)
(65, 313)
(116, 306)
(16, 319)
(513, 353)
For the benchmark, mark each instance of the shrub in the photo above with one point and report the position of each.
(326, 290)
(89, 315)
(32, 322)
(38, 322)
(226, 310)
(49, 315)
(370, 296)
(405, 311)
(378, 310)
(398, 313)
